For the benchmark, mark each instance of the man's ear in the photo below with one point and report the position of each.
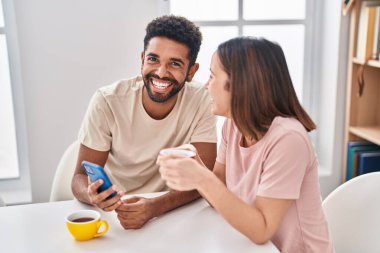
(193, 69)
(142, 57)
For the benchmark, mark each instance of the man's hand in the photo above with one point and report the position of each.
(133, 213)
(100, 199)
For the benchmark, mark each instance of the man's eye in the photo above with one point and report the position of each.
(176, 64)
(152, 58)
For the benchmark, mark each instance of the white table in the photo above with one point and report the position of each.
(193, 228)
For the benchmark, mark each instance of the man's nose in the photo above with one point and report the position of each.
(206, 85)
(161, 71)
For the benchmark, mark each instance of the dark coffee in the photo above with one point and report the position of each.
(84, 219)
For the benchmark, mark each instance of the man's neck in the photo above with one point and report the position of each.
(157, 110)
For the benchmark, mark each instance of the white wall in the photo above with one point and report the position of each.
(330, 83)
(67, 50)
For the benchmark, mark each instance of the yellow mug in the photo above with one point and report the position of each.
(84, 224)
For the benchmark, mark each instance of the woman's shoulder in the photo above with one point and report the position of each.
(286, 128)
(287, 125)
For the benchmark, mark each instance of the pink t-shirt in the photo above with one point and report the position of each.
(281, 165)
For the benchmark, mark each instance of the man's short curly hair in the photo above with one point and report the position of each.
(178, 29)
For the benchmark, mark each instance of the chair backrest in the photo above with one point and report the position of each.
(2, 203)
(353, 214)
(61, 189)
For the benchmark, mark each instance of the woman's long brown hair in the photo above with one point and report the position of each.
(260, 85)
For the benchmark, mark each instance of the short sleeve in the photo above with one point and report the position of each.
(95, 131)
(205, 129)
(284, 168)
(221, 157)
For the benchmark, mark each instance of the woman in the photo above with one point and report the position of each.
(265, 179)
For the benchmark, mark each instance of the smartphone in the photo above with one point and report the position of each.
(95, 172)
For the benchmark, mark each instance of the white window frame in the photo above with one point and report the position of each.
(311, 57)
(16, 190)
(307, 22)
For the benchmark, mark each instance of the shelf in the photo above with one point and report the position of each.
(371, 134)
(362, 112)
(374, 63)
(358, 61)
(371, 63)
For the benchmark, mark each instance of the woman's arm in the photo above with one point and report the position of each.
(258, 222)
(220, 172)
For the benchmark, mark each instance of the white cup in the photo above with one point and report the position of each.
(179, 152)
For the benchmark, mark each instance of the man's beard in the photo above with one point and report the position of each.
(158, 97)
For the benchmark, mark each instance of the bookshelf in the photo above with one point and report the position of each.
(362, 111)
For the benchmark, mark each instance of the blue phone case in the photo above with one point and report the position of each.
(95, 172)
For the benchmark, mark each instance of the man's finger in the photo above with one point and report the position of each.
(104, 194)
(132, 224)
(132, 200)
(94, 186)
(112, 207)
(131, 205)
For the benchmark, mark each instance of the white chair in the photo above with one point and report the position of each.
(2, 203)
(353, 214)
(61, 189)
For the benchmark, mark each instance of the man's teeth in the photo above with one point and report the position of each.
(160, 85)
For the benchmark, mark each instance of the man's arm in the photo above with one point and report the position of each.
(86, 192)
(145, 209)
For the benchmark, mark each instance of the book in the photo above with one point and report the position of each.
(353, 147)
(369, 162)
(347, 6)
(366, 27)
(350, 160)
(376, 36)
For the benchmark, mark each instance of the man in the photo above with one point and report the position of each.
(129, 122)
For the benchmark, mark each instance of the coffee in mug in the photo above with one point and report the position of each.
(84, 219)
(85, 224)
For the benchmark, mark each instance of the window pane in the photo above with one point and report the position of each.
(291, 39)
(205, 10)
(8, 147)
(212, 37)
(1, 15)
(273, 9)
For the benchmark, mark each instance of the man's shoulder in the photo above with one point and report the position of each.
(196, 90)
(122, 87)
(195, 86)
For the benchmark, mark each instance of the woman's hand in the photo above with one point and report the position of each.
(182, 173)
(191, 148)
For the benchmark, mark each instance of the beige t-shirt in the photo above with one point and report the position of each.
(117, 121)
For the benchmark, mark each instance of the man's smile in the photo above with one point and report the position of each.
(161, 86)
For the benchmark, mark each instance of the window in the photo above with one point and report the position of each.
(9, 167)
(15, 187)
(220, 20)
